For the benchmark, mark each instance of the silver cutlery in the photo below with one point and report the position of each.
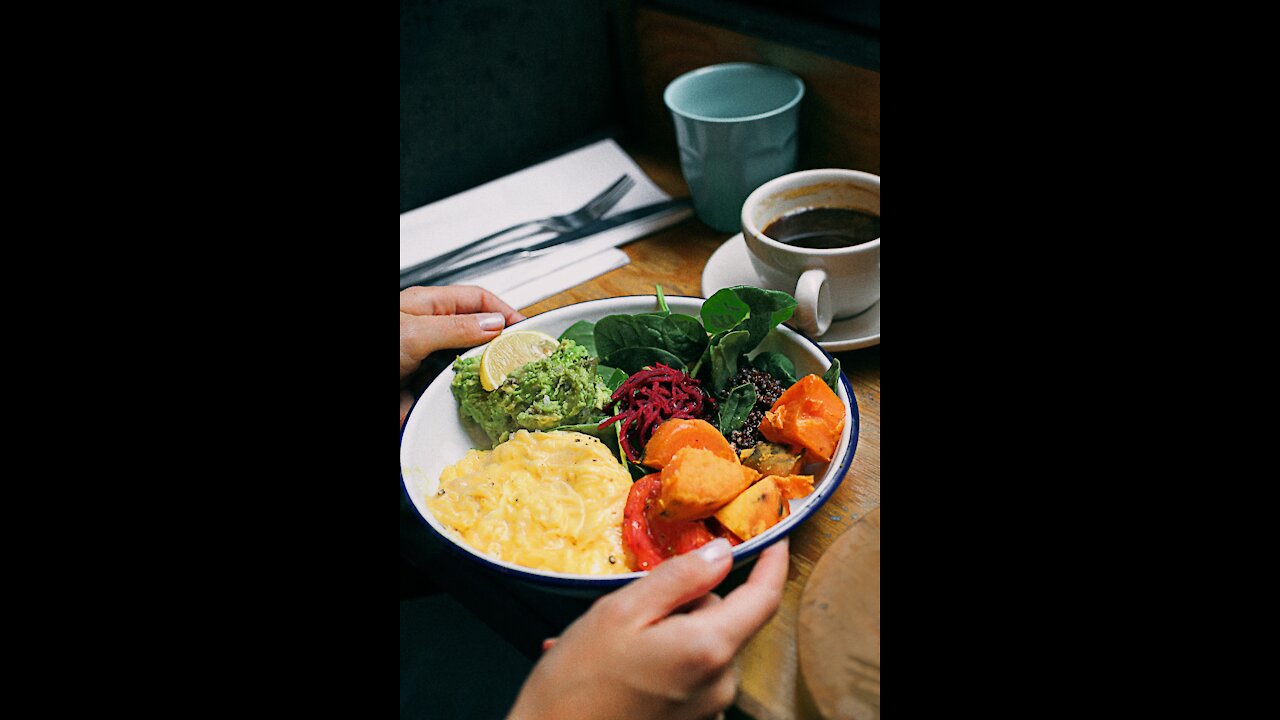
(496, 244)
(462, 269)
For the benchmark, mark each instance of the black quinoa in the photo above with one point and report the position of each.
(768, 390)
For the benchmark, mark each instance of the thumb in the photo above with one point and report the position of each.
(678, 581)
(422, 335)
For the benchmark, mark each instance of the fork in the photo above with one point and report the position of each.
(463, 270)
(560, 224)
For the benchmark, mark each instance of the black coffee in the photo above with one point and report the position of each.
(825, 228)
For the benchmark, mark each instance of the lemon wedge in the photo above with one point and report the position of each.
(511, 351)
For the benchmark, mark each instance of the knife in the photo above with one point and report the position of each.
(487, 263)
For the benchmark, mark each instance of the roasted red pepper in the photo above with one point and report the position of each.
(652, 539)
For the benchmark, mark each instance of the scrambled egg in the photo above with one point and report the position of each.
(550, 501)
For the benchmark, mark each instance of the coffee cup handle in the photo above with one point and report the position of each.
(813, 302)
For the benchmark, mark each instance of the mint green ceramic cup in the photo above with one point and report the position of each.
(736, 125)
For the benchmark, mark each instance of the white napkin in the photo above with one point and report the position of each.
(571, 275)
(557, 186)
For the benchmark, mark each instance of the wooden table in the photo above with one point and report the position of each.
(771, 686)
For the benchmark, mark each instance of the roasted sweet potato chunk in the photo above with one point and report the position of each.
(677, 434)
(698, 482)
(757, 509)
(808, 415)
(794, 486)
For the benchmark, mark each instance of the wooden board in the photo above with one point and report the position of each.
(838, 639)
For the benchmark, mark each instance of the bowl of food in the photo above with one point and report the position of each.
(588, 444)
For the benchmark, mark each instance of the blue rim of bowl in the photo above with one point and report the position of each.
(607, 582)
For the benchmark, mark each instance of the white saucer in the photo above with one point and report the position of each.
(730, 265)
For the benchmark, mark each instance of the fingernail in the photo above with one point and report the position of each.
(716, 550)
(492, 321)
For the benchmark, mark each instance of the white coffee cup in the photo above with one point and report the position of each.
(827, 284)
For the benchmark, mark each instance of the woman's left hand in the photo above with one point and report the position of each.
(436, 318)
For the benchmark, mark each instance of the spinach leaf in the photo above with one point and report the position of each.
(724, 311)
(832, 376)
(777, 365)
(633, 359)
(683, 336)
(736, 407)
(725, 356)
(611, 436)
(768, 309)
(616, 332)
(705, 359)
(663, 309)
(637, 471)
(612, 377)
(617, 447)
(583, 333)
(615, 443)
(781, 306)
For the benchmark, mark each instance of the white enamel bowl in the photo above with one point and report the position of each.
(434, 436)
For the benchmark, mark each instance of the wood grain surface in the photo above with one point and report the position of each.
(771, 687)
(838, 638)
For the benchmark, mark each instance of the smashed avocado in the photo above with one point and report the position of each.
(561, 389)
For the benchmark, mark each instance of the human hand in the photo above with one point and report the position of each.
(661, 647)
(436, 318)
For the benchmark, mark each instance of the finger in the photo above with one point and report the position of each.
(455, 300)
(745, 610)
(675, 582)
(705, 601)
(718, 696)
(421, 335)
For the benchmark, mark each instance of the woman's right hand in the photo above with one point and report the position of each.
(661, 647)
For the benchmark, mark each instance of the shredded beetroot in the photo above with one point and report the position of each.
(650, 397)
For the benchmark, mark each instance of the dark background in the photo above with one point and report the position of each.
(491, 86)
(488, 87)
